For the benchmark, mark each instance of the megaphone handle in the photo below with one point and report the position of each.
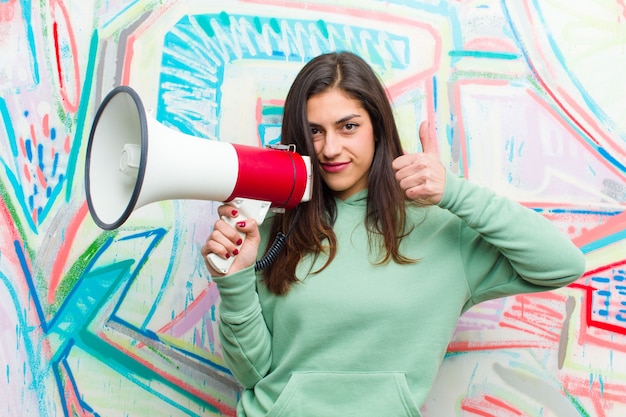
(247, 209)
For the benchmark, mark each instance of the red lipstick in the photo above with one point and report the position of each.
(334, 167)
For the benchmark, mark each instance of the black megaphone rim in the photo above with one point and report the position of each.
(143, 157)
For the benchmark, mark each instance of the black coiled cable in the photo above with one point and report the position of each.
(277, 245)
(272, 253)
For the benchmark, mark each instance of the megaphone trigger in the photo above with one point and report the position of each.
(247, 209)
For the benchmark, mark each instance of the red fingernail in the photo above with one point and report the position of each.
(241, 224)
(239, 242)
(234, 213)
(235, 252)
(227, 255)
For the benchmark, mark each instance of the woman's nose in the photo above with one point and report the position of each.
(332, 145)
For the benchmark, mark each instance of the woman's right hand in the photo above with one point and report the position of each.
(225, 242)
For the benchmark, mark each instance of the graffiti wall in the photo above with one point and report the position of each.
(527, 97)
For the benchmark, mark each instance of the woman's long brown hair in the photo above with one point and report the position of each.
(313, 231)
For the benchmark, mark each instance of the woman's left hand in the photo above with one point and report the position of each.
(421, 175)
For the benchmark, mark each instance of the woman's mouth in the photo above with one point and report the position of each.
(333, 167)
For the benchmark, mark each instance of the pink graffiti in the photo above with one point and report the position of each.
(621, 5)
(66, 50)
(602, 394)
(7, 10)
(202, 394)
(63, 253)
(489, 406)
(550, 83)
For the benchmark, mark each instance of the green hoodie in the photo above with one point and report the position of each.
(360, 339)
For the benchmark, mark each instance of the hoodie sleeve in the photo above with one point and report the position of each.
(507, 248)
(246, 340)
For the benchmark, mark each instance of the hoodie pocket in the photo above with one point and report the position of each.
(328, 394)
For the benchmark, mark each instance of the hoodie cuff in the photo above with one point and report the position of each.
(237, 291)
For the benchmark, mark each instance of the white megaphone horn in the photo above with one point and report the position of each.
(133, 160)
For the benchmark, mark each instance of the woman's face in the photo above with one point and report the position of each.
(343, 138)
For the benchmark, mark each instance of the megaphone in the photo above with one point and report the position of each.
(133, 160)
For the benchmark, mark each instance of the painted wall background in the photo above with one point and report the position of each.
(527, 97)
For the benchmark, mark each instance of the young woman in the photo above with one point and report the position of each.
(354, 317)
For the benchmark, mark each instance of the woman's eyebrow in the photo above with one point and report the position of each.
(338, 122)
(348, 117)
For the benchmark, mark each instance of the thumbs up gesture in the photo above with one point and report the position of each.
(421, 175)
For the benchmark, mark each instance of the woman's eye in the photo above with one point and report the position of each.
(316, 133)
(350, 126)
